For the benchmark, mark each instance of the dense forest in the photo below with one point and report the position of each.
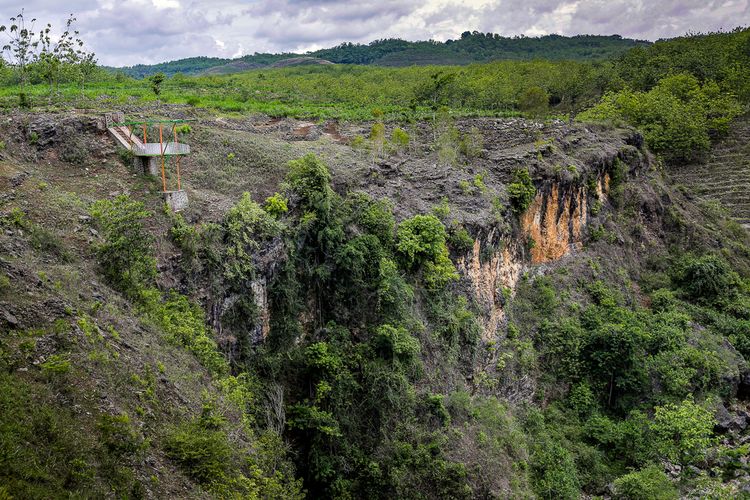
(470, 48)
(441, 281)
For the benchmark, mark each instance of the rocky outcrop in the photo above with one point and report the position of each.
(493, 281)
(554, 222)
(263, 322)
(552, 227)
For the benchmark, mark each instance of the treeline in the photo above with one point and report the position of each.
(471, 47)
(682, 93)
(479, 47)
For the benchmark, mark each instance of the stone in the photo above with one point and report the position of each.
(10, 319)
(176, 200)
(148, 164)
(730, 422)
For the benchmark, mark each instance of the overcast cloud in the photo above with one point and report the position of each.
(126, 32)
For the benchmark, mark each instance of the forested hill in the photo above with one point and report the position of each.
(471, 47)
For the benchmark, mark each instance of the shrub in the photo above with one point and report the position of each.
(118, 434)
(396, 343)
(204, 454)
(310, 179)
(534, 101)
(155, 81)
(126, 253)
(184, 323)
(554, 472)
(708, 278)
(460, 239)
(420, 239)
(521, 191)
(56, 365)
(374, 216)
(649, 483)
(678, 116)
(246, 225)
(276, 205)
(682, 431)
(479, 183)
(400, 138)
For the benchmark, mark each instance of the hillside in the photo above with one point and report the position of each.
(724, 175)
(406, 314)
(470, 48)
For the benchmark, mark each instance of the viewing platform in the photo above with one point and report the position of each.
(153, 157)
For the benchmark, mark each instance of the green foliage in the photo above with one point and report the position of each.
(184, 323)
(46, 451)
(56, 365)
(155, 81)
(707, 279)
(470, 47)
(460, 240)
(396, 343)
(125, 255)
(247, 225)
(521, 191)
(554, 472)
(682, 431)
(374, 216)
(678, 116)
(534, 102)
(118, 434)
(202, 451)
(310, 179)
(276, 205)
(421, 238)
(649, 483)
(400, 138)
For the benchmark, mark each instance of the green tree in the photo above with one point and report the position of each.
(21, 47)
(649, 483)
(156, 82)
(521, 191)
(682, 432)
(534, 101)
(126, 254)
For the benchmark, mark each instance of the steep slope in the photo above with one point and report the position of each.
(724, 176)
(358, 352)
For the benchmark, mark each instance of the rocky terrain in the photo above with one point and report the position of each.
(583, 220)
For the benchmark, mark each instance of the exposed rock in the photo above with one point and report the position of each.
(726, 421)
(263, 324)
(555, 222)
(490, 279)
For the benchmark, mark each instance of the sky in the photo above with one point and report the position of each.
(127, 32)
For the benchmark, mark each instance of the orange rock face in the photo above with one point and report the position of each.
(555, 222)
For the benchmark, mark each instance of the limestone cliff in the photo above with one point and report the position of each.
(552, 227)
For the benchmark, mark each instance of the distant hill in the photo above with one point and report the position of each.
(471, 47)
(238, 65)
